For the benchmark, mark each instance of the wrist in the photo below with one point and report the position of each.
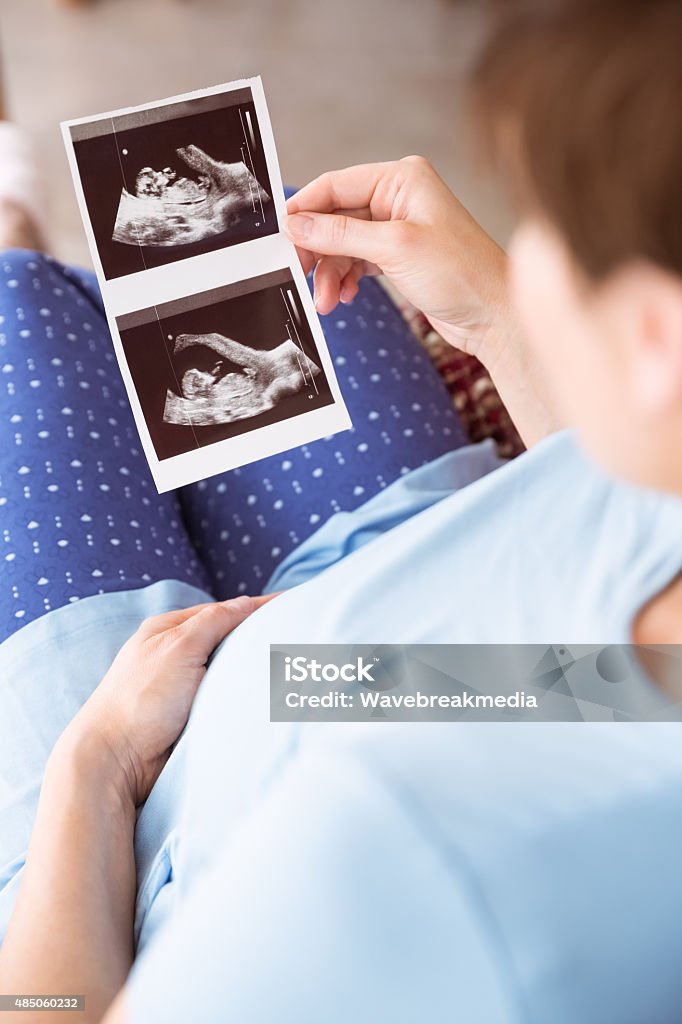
(498, 339)
(84, 758)
(483, 322)
(498, 322)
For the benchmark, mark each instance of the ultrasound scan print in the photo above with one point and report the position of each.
(223, 363)
(165, 209)
(217, 395)
(175, 181)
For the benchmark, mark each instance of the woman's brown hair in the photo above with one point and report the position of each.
(580, 104)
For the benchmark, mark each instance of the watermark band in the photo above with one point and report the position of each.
(473, 682)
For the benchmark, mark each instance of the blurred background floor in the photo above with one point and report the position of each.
(347, 81)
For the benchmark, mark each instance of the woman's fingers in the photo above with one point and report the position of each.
(350, 188)
(265, 598)
(329, 273)
(169, 620)
(204, 631)
(212, 623)
(349, 285)
(340, 235)
(308, 258)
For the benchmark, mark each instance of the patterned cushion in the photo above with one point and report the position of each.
(474, 395)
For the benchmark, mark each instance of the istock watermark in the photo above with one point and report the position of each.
(469, 682)
(301, 669)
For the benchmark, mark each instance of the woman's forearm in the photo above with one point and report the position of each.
(519, 381)
(489, 329)
(72, 928)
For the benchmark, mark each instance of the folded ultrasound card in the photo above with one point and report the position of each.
(215, 332)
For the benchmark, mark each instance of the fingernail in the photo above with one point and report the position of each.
(346, 296)
(299, 226)
(240, 604)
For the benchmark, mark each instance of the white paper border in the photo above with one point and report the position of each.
(210, 270)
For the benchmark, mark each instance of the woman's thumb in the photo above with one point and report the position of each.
(332, 234)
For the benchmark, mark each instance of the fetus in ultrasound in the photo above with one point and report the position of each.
(170, 209)
(236, 382)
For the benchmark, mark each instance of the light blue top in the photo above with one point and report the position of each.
(398, 872)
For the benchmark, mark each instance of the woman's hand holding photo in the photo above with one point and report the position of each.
(400, 219)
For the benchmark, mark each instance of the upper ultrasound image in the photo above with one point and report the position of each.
(186, 185)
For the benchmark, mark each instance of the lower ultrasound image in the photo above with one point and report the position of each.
(219, 364)
(217, 395)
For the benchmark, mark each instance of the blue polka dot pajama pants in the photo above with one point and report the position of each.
(79, 513)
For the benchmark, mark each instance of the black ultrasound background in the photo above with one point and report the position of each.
(258, 320)
(218, 132)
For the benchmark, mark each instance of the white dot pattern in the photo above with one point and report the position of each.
(79, 513)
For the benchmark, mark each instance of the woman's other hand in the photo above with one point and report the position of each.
(142, 705)
(73, 924)
(402, 220)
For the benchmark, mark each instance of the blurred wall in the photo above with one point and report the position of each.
(346, 82)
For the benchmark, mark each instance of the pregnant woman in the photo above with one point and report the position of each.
(253, 872)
